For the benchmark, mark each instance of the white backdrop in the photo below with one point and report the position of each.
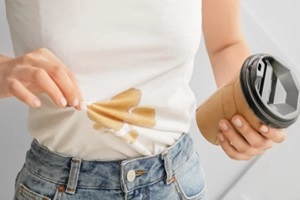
(270, 26)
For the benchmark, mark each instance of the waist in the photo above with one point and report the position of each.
(129, 124)
(120, 174)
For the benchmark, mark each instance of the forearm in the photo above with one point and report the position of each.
(3, 58)
(224, 39)
(228, 61)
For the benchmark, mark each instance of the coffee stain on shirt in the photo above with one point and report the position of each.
(120, 114)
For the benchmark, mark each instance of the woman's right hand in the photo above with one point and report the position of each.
(39, 71)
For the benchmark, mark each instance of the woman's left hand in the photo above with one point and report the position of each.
(241, 142)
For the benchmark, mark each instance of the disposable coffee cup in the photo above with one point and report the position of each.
(264, 92)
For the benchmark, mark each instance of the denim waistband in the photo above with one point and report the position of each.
(121, 174)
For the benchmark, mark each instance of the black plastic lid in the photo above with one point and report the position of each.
(271, 90)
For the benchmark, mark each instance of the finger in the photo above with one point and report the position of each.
(276, 135)
(70, 88)
(230, 150)
(254, 138)
(65, 84)
(42, 81)
(80, 96)
(21, 92)
(237, 140)
(57, 70)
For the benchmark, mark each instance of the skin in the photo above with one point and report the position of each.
(227, 50)
(40, 71)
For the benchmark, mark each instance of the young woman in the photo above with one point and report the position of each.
(110, 104)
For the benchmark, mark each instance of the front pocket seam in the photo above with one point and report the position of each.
(42, 177)
(178, 184)
(26, 192)
(185, 163)
(182, 193)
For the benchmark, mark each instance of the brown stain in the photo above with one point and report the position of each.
(97, 126)
(122, 108)
(143, 116)
(131, 136)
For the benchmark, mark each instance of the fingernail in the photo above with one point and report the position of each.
(237, 122)
(36, 103)
(221, 137)
(224, 126)
(75, 102)
(63, 102)
(264, 129)
(82, 106)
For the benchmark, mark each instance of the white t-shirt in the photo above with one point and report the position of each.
(133, 61)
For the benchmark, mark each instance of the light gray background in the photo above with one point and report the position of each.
(270, 26)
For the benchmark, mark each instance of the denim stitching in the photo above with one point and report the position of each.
(41, 177)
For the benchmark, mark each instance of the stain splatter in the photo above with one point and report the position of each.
(120, 114)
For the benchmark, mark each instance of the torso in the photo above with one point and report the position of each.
(137, 50)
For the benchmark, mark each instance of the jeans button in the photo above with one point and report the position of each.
(131, 175)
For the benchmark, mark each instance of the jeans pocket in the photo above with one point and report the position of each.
(31, 186)
(190, 180)
(25, 193)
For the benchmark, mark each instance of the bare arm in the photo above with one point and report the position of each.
(227, 51)
(224, 40)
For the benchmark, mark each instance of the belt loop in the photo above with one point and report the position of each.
(168, 167)
(73, 176)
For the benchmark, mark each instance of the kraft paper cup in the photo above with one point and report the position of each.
(265, 91)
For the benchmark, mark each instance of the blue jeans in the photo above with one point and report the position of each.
(174, 174)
